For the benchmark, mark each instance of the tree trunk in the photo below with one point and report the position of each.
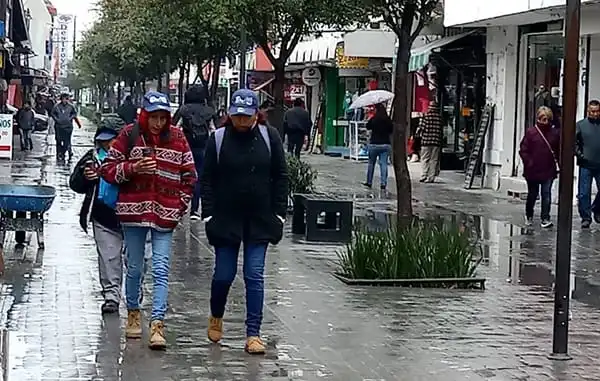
(119, 93)
(188, 70)
(159, 83)
(168, 77)
(276, 116)
(214, 86)
(401, 124)
(143, 84)
(181, 83)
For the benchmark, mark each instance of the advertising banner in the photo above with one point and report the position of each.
(6, 136)
(65, 25)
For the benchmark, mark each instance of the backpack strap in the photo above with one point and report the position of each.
(219, 135)
(133, 137)
(264, 131)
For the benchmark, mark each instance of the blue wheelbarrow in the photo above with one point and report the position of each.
(22, 209)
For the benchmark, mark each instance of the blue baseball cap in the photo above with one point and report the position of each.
(155, 101)
(243, 102)
(106, 135)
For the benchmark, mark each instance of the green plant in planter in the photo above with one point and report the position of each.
(422, 250)
(301, 175)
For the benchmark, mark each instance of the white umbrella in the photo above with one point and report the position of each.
(372, 97)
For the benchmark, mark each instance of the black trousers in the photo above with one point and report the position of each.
(295, 143)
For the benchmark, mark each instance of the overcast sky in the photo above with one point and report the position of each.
(82, 9)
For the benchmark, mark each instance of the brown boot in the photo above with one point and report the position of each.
(133, 330)
(157, 335)
(215, 329)
(255, 346)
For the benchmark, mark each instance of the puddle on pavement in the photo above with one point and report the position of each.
(515, 255)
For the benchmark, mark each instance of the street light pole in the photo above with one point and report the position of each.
(560, 336)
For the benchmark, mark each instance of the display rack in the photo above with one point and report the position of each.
(358, 140)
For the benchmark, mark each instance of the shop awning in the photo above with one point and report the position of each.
(419, 57)
(264, 84)
(319, 50)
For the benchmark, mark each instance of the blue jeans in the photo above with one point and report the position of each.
(584, 193)
(226, 259)
(381, 151)
(198, 161)
(135, 239)
(533, 189)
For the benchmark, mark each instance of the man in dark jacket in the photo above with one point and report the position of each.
(26, 121)
(64, 114)
(588, 158)
(197, 119)
(244, 200)
(99, 207)
(127, 111)
(296, 125)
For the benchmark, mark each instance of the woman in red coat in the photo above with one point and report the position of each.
(154, 168)
(539, 151)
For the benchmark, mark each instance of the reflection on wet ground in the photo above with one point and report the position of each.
(316, 328)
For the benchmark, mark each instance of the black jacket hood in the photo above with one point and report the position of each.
(195, 94)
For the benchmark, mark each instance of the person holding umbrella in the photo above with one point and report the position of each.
(380, 145)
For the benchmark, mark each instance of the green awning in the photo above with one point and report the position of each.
(419, 57)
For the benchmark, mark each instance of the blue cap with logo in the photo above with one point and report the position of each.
(243, 102)
(155, 101)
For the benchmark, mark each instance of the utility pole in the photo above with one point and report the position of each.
(562, 289)
(243, 48)
(74, 35)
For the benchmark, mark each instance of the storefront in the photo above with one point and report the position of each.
(452, 71)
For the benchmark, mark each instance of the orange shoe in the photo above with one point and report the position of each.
(133, 329)
(215, 329)
(255, 346)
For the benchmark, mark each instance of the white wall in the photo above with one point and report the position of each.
(39, 33)
(501, 51)
(458, 12)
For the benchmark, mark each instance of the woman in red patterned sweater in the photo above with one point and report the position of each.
(154, 168)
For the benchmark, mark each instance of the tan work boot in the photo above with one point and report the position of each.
(215, 329)
(157, 335)
(133, 330)
(255, 346)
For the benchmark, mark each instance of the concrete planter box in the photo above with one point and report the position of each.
(450, 283)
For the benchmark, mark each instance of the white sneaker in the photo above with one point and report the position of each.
(546, 224)
(528, 221)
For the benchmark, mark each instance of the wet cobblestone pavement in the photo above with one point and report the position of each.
(316, 328)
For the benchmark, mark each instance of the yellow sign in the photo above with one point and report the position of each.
(345, 62)
(1, 60)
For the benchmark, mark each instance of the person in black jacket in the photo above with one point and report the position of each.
(380, 145)
(296, 125)
(98, 206)
(244, 200)
(197, 118)
(127, 111)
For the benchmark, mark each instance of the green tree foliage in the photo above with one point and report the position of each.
(278, 25)
(406, 18)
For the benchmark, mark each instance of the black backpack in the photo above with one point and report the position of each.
(196, 126)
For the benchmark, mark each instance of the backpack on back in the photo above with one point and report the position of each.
(196, 126)
(220, 135)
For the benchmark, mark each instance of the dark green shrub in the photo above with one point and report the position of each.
(301, 175)
(422, 250)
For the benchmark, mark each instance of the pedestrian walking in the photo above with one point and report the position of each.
(380, 145)
(539, 152)
(244, 200)
(127, 111)
(99, 207)
(430, 134)
(196, 120)
(587, 150)
(64, 114)
(297, 126)
(26, 122)
(153, 166)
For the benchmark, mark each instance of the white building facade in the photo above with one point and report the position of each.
(524, 48)
(40, 28)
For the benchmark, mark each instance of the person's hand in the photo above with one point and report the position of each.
(90, 174)
(145, 166)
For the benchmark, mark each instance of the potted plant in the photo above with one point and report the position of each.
(301, 176)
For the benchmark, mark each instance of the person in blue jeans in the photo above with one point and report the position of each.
(587, 150)
(244, 188)
(380, 145)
